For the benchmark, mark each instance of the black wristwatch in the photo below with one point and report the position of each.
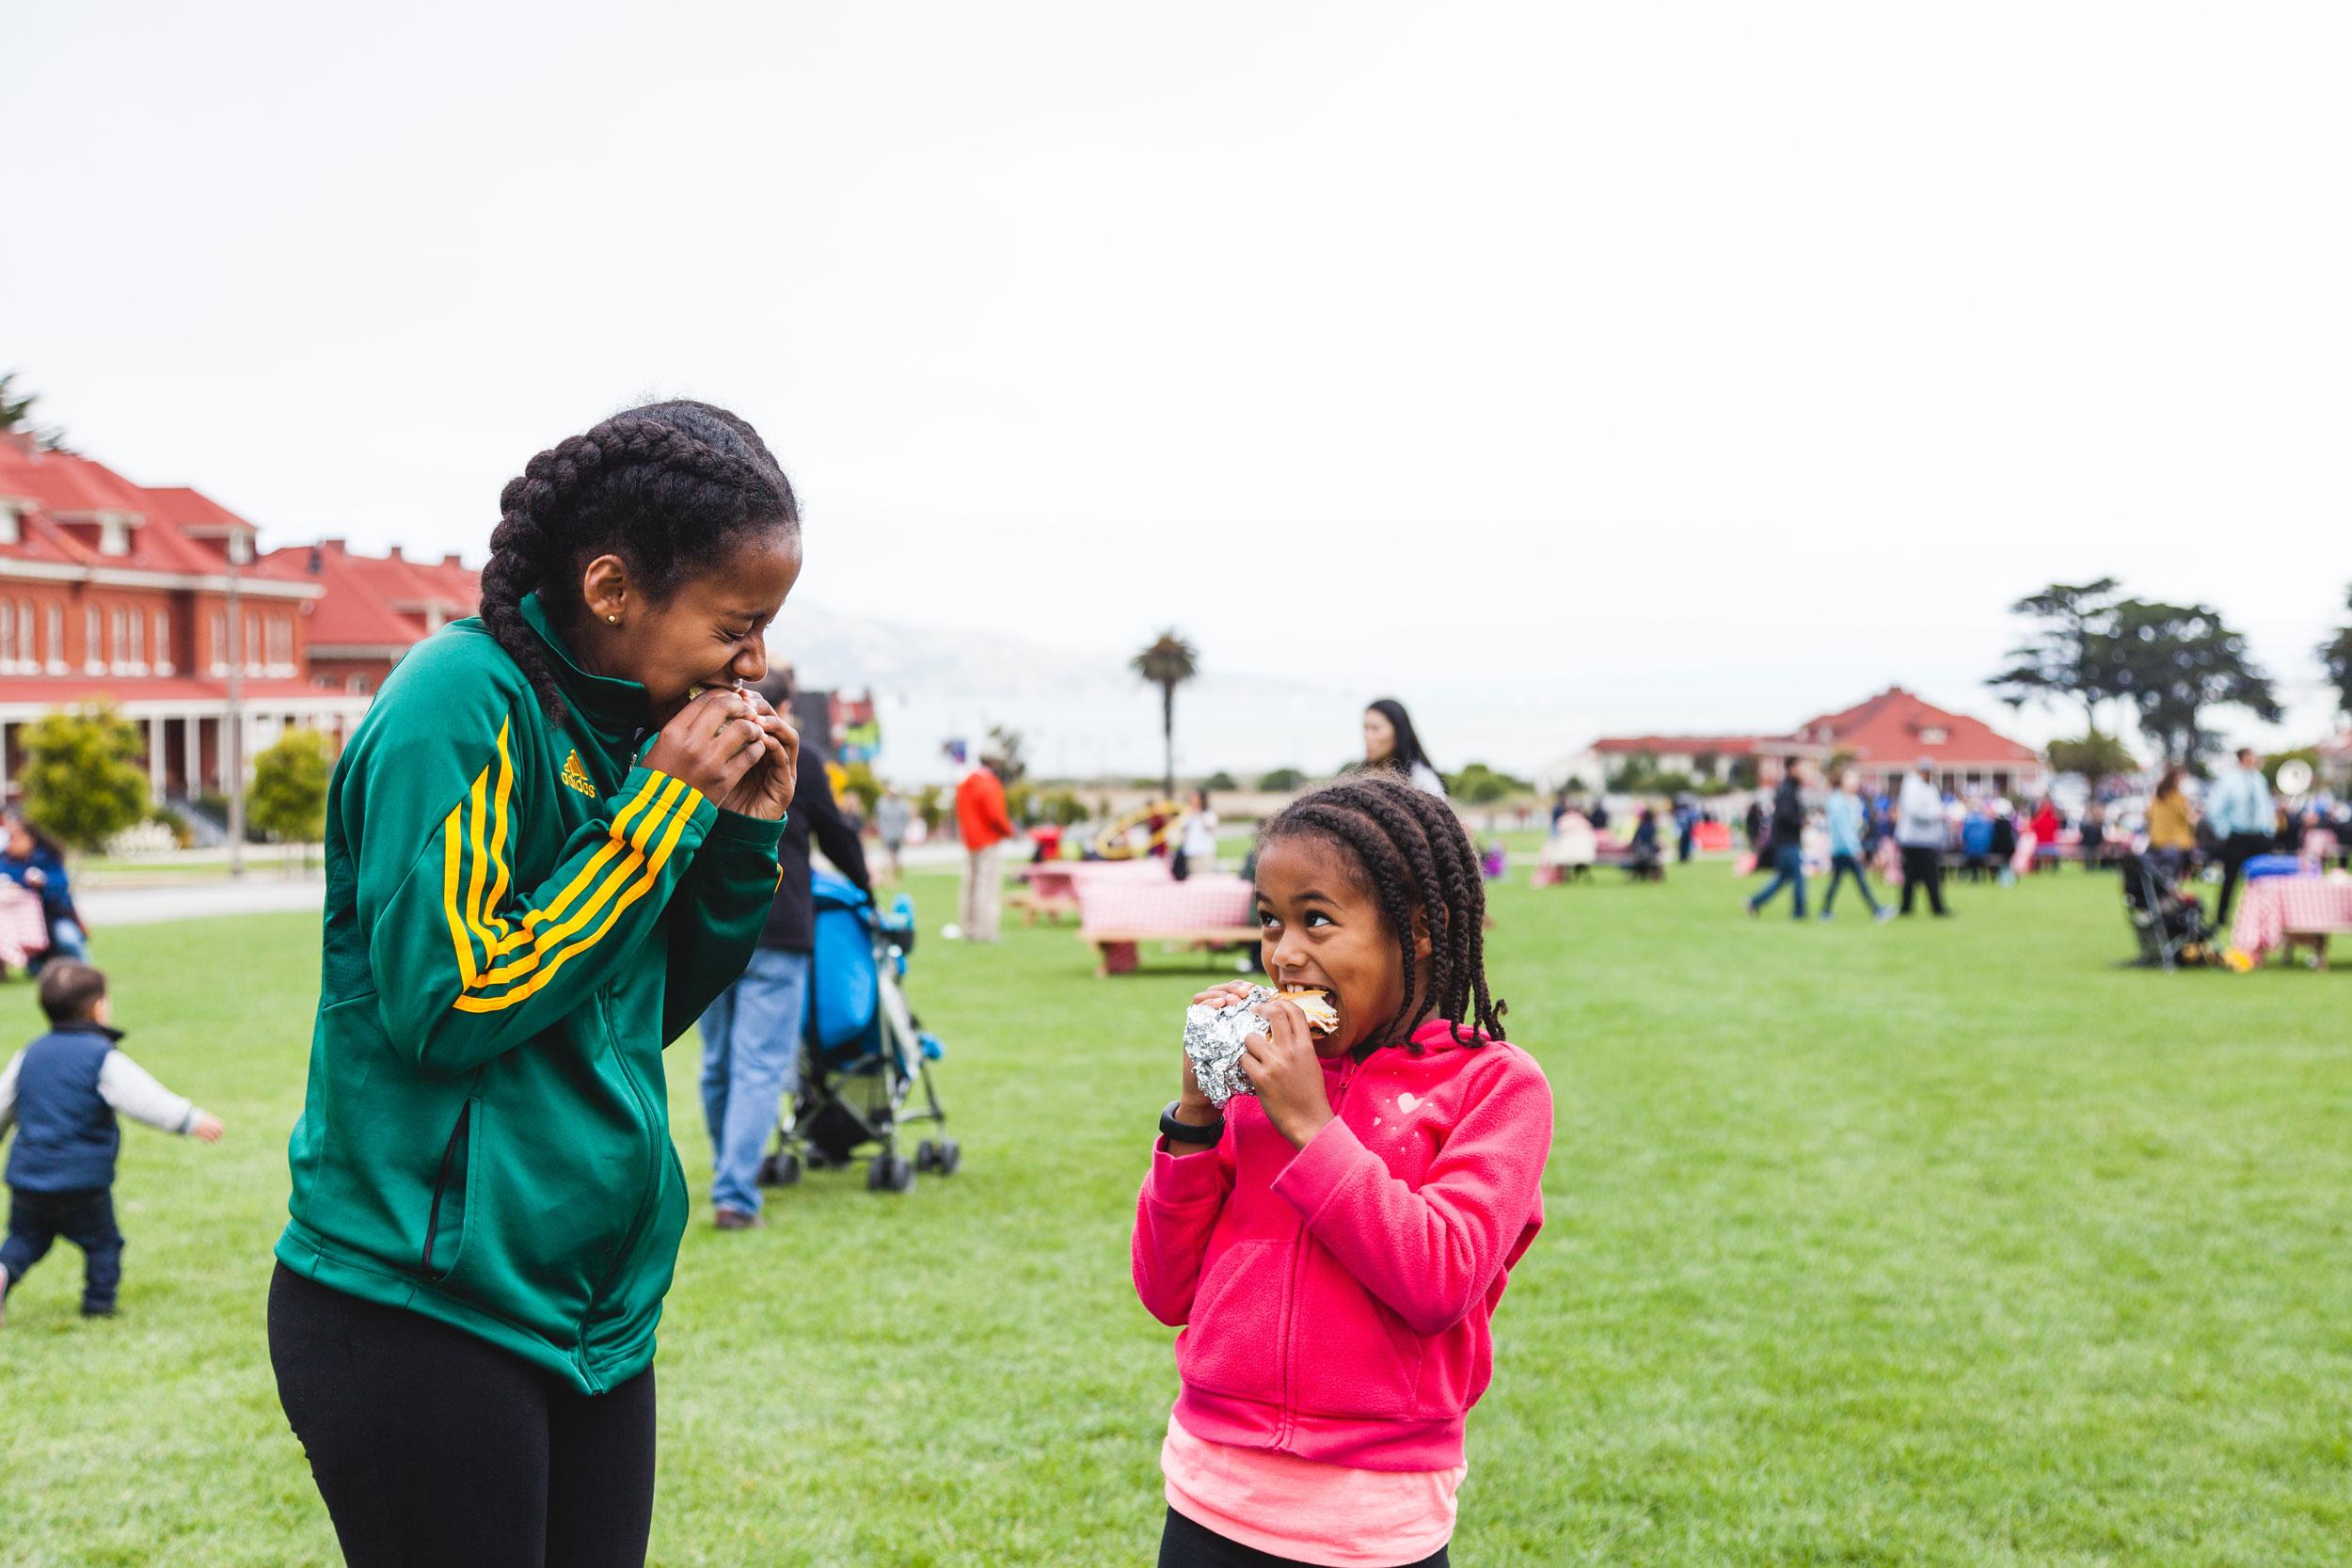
(1188, 1132)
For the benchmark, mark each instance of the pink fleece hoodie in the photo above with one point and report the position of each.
(1338, 1296)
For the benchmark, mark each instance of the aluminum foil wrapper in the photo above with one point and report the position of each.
(1214, 1037)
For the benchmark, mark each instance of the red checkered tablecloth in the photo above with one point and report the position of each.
(2268, 908)
(1116, 901)
(24, 930)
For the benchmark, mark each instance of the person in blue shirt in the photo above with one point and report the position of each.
(33, 861)
(1975, 840)
(1845, 817)
(2239, 812)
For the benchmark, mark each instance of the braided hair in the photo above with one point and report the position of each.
(1411, 852)
(669, 488)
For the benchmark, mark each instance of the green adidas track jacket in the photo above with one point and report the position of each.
(518, 919)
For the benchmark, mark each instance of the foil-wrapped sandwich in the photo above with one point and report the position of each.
(1214, 1037)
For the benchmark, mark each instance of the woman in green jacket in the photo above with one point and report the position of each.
(550, 845)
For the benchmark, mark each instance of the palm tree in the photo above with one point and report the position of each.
(1168, 664)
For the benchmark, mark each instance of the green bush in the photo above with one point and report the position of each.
(288, 800)
(1280, 779)
(85, 780)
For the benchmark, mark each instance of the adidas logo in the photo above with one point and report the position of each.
(576, 777)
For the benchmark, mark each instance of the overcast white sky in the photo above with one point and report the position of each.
(1623, 366)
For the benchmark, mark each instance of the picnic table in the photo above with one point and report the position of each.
(1053, 890)
(2278, 911)
(1123, 906)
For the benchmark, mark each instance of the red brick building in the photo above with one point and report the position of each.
(115, 591)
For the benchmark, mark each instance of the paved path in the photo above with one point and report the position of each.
(145, 906)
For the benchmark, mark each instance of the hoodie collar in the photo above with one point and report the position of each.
(615, 709)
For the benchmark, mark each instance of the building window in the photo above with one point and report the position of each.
(281, 646)
(1934, 735)
(114, 536)
(8, 635)
(56, 639)
(93, 641)
(220, 643)
(252, 649)
(163, 643)
(28, 628)
(116, 657)
(357, 683)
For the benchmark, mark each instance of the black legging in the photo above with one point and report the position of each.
(437, 1450)
(1187, 1545)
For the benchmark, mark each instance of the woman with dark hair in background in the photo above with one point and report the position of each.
(36, 862)
(1389, 742)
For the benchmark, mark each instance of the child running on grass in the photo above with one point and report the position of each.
(62, 1091)
(1335, 1247)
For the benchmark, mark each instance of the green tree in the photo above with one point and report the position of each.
(2336, 653)
(2171, 662)
(1478, 785)
(863, 786)
(1168, 663)
(2097, 756)
(1219, 781)
(1004, 745)
(1281, 780)
(288, 798)
(2059, 662)
(84, 782)
(16, 414)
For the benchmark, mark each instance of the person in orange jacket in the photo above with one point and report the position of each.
(982, 821)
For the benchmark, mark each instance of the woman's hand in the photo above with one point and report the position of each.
(764, 790)
(1287, 1073)
(711, 743)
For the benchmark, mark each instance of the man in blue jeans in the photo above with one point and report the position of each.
(1787, 841)
(752, 1033)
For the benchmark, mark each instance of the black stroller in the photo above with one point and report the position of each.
(864, 1054)
(2170, 923)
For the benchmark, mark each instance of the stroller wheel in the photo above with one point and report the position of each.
(766, 1177)
(950, 1158)
(787, 1168)
(889, 1174)
(926, 1155)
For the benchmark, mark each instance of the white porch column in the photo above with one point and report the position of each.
(192, 745)
(155, 760)
(4, 761)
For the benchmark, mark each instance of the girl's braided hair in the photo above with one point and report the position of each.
(669, 488)
(1412, 854)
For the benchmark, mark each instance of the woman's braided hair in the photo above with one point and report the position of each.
(1413, 855)
(668, 488)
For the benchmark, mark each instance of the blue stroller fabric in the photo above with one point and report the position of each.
(844, 984)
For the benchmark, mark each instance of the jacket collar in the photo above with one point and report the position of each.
(615, 709)
(86, 1026)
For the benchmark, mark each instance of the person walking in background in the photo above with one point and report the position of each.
(1845, 817)
(1920, 833)
(1686, 827)
(2045, 834)
(1752, 828)
(2171, 825)
(982, 818)
(891, 815)
(2094, 831)
(2239, 813)
(1198, 846)
(1390, 742)
(752, 1032)
(2004, 851)
(63, 1092)
(1787, 844)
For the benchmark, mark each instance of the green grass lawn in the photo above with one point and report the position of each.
(1936, 1243)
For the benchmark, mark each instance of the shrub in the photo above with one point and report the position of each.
(84, 781)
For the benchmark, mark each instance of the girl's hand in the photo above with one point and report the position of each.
(1224, 995)
(711, 743)
(766, 788)
(1287, 1073)
(1192, 1106)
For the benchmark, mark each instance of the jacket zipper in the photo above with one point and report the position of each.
(1290, 1299)
(637, 1223)
(441, 1187)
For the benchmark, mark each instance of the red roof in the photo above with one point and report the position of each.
(1893, 726)
(374, 601)
(63, 487)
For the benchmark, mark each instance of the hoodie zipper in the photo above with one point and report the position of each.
(1290, 1298)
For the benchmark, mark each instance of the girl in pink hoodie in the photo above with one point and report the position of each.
(1333, 1248)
